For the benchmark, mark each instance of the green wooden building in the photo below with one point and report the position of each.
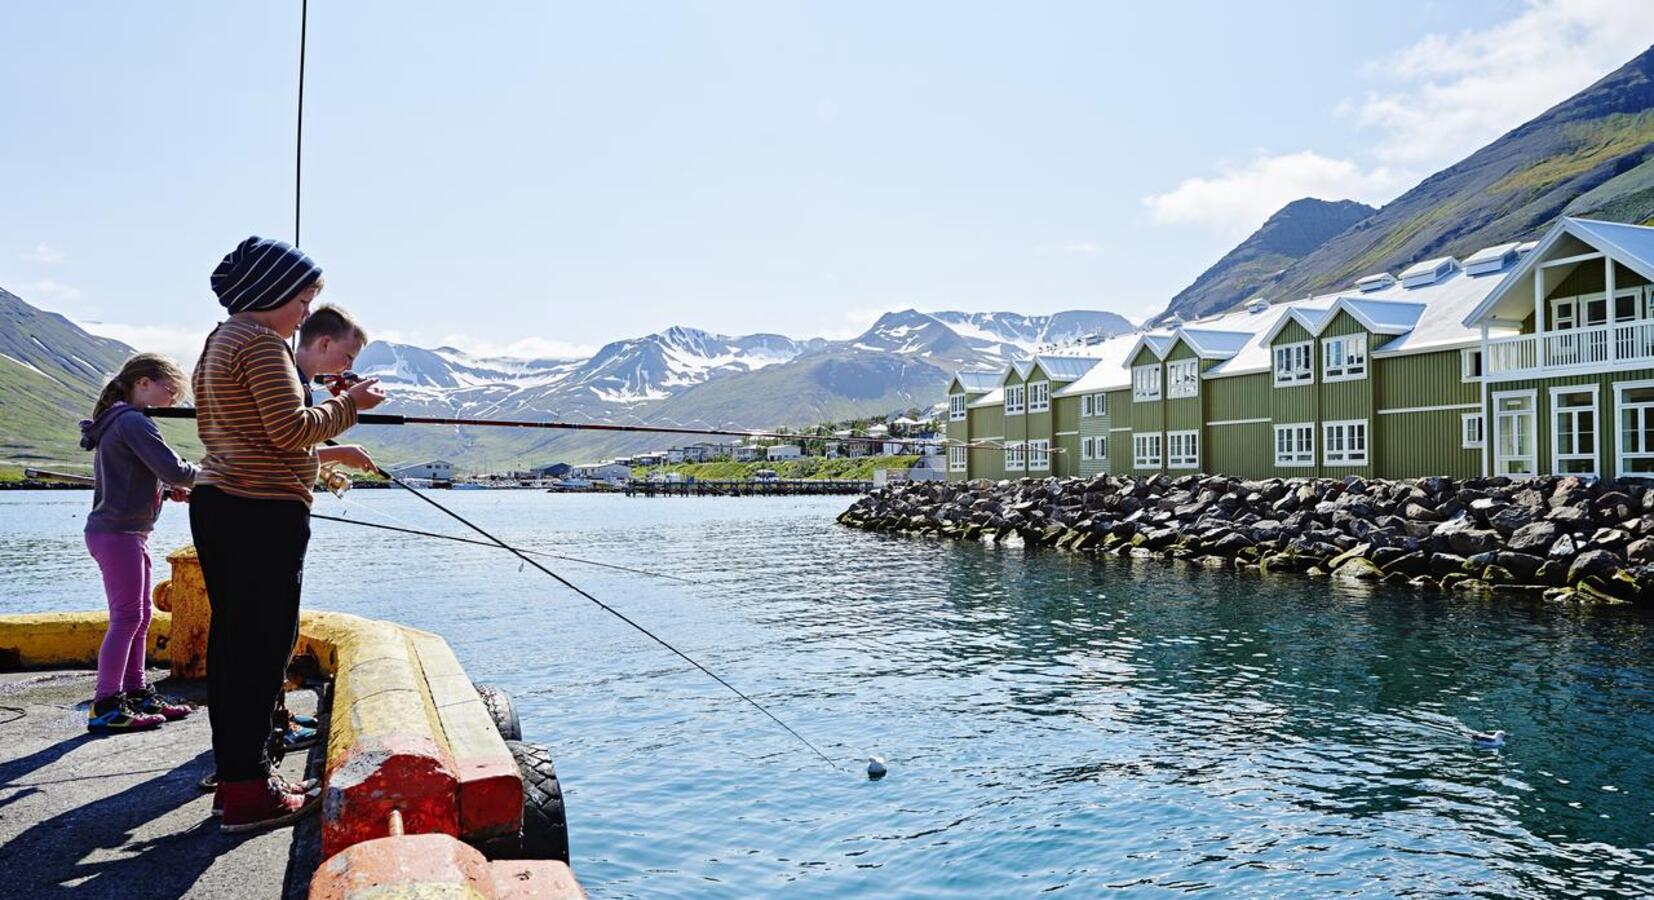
(1521, 359)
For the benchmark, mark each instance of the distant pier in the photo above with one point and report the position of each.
(786, 487)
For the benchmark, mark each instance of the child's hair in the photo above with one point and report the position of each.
(328, 320)
(153, 366)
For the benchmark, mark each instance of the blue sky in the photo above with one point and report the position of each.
(542, 178)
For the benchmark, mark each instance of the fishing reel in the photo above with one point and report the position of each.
(335, 481)
(337, 382)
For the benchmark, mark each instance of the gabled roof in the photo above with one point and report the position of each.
(1378, 316)
(1209, 344)
(1160, 343)
(977, 382)
(1065, 368)
(994, 397)
(1630, 245)
(1311, 317)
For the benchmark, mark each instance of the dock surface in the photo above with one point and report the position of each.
(121, 815)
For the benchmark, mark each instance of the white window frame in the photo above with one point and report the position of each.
(1572, 413)
(1145, 450)
(956, 407)
(1100, 451)
(1145, 382)
(1300, 356)
(1039, 456)
(1039, 396)
(1352, 358)
(1016, 456)
(1015, 397)
(1339, 440)
(957, 459)
(1532, 415)
(1183, 378)
(1085, 449)
(1085, 406)
(1472, 438)
(1183, 449)
(1300, 452)
(1093, 406)
(1644, 411)
(1467, 374)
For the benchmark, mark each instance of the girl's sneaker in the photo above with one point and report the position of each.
(298, 737)
(302, 721)
(112, 715)
(150, 702)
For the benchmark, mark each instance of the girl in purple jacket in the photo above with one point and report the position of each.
(134, 469)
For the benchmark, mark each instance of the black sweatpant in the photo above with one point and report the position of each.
(252, 558)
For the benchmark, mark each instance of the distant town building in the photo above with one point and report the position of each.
(433, 470)
(783, 451)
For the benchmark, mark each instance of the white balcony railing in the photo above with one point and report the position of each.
(1598, 345)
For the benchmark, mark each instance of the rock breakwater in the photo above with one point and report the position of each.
(1566, 538)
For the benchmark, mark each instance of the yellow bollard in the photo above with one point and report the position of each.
(185, 595)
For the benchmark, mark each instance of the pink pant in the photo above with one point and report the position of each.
(124, 559)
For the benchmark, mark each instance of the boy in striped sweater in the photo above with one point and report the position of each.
(250, 512)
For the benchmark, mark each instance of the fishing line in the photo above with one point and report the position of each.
(614, 612)
(465, 540)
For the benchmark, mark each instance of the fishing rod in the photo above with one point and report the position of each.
(72, 478)
(614, 612)
(466, 540)
(186, 412)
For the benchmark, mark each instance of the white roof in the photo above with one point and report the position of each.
(977, 382)
(992, 398)
(1489, 254)
(1429, 267)
(1065, 368)
(1630, 245)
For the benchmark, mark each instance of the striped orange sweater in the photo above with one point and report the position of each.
(260, 437)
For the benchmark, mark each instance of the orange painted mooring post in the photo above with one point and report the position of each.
(185, 596)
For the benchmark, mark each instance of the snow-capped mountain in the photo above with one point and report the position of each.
(684, 375)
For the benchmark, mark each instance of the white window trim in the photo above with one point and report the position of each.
(1142, 442)
(1187, 386)
(1101, 450)
(1016, 456)
(1145, 374)
(1039, 456)
(1465, 355)
(1175, 460)
(957, 459)
(1346, 341)
(1039, 400)
(1595, 456)
(1532, 457)
(1464, 430)
(1019, 394)
(1620, 387)
(1085, 406)
(1297, 459)
(1299, 376)
(1085, 449)
(956, 407)
(1349, 458)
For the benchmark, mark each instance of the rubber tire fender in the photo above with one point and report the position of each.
(545, 833)
(502, 710)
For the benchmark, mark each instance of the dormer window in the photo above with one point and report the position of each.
(1183, 378)
(1039, 396)
(1145, 383)
(1015, 399)
(1294, 364)
(1344, 358)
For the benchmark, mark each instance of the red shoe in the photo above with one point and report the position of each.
(298, 788)
(260, 803)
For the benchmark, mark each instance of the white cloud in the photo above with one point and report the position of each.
(1454, 94)
(181, 342)
(44, 254)
(1240, 198)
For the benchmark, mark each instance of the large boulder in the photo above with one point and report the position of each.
(1534, 538)
(1599, 564)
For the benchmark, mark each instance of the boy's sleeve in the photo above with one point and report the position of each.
(273, 381)
(151, 449)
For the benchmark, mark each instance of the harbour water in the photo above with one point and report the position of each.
(1052, 722)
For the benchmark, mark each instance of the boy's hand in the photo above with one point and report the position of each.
(367, 393)
(353, 456)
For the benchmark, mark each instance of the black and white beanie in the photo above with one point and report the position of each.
(262, 273)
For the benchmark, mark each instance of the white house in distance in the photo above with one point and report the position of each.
(783, 451)
(745, 453)
(604, 471)
(433, 470)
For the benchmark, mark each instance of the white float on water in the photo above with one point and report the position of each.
(1488, 741)
(875, 768)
